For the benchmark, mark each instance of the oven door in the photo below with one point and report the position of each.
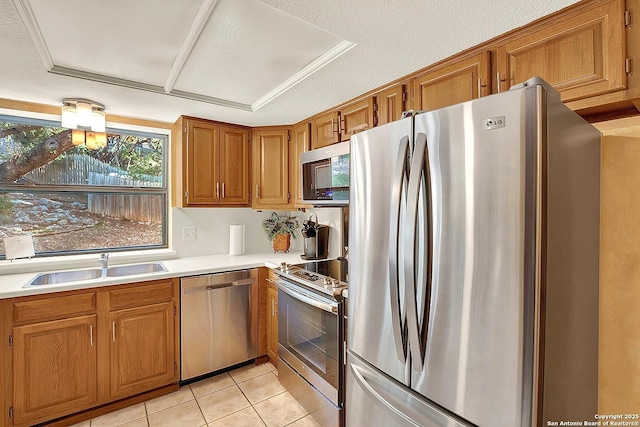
(309, 337)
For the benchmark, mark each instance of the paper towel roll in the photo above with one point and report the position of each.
(236, 239)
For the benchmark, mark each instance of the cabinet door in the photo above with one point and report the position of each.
(202, 164)
(356, 117)
(54, 368)
(391, 103)
(325, 130)
(271, 168)
(459, 82)
(234, 166)
(142, 349)
(272, 323)
(582, 56)
(300, 143)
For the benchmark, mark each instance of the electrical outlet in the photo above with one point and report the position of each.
(188, 234)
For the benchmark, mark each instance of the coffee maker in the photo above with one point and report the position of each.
(316, 239)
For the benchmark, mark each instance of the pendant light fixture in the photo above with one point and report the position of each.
(86, 118)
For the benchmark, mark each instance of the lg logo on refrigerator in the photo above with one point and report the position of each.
(493, 123)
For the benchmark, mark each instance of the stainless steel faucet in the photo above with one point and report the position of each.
(104, 260)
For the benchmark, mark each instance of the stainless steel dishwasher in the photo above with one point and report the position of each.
(219, 321)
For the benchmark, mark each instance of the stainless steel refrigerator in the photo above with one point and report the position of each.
(473, 245)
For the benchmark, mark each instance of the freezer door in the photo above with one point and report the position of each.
(373, 399)
(377, 325)
(475, 335)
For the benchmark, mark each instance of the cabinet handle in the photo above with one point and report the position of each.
(91, 335)
(257, 191)
(217, 190)
(499, 82)
(479, 87)
(223, 190)
(113, 330)
(343, 129)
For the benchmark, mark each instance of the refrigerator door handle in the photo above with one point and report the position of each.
(398, 189)
(418, 177)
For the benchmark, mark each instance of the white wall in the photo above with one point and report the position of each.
(212, 230)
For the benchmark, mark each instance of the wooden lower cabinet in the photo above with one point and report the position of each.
(272, 323)
(142, 349)
(73, 351)
(54, 368)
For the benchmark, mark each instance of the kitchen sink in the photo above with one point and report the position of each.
(68, 276)
(128, 270)
(65, 276)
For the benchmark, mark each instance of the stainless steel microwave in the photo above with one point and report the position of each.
(325, 175)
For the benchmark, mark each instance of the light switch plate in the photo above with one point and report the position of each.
(188, 234)
(18, 247)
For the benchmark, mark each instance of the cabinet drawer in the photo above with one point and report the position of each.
(139, 295)
(51, 308)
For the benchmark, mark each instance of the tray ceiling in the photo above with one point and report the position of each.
(250, 62)
(235, 53)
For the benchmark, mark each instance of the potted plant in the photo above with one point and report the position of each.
(279, 230)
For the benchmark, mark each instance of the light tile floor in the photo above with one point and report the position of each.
(249, 396)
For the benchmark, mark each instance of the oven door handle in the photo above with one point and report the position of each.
(326, 306)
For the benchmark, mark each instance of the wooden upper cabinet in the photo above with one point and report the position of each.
(325, 130)
(202, 159)
(581, 56)
(356, 117)
(215, 164)
(300, 143)
(338, 125)
(461, 81)
(270, 166)
(391, 103)
(234, 166)
(54, 368)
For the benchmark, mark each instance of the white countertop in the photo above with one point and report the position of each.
(12, 285)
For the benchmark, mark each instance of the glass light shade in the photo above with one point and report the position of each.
(101, 139)
(77, 137)
(69, 117)
(97, 121)
(90, 140)
(84, 116)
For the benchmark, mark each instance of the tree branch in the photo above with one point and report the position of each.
(41, 154)
(18, 129)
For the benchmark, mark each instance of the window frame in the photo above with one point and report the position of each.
(112, 127)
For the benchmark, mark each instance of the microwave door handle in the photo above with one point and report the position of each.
(415, 180)
(397, 190)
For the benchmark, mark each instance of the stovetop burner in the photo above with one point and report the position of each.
(334, 268)
(305, 275)
(328, 276)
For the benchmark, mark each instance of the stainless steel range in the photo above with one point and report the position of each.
(311, 336)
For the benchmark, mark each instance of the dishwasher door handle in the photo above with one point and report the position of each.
(206, 287)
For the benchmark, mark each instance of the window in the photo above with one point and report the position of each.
(72, 199)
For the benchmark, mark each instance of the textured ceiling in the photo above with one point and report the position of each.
(140, 40)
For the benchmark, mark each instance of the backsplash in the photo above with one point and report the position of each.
(212, 230)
